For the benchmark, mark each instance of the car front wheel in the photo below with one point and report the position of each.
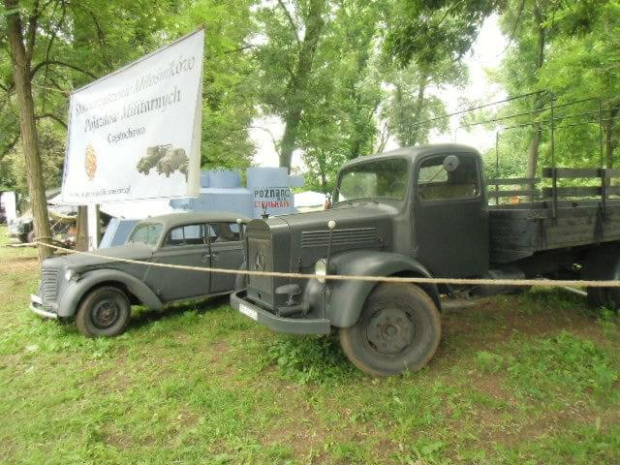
(104, 312)
(399, 329)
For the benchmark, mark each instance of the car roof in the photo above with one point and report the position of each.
(177, 219)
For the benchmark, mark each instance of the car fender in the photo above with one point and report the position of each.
(347, 297)
(76, 290)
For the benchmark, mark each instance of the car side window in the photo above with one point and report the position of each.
(191, 234)
(436, 183)
(224, 232)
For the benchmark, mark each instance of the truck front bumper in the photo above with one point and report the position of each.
(275, 322)
(36, 305)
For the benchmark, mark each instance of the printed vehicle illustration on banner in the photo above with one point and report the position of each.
(152, 157)
(174, 160)
(90, 162)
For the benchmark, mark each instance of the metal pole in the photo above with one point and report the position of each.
(553, 165)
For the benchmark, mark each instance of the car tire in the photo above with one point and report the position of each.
(104, 312)
(399, 329)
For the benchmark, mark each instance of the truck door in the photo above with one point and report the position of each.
(451, 227)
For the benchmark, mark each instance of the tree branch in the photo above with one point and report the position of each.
(290, 20)
(52, 117)
(45, 63)
(31, 34)
(9, 146)
(273, 139)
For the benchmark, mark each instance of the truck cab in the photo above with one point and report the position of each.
(412, 212)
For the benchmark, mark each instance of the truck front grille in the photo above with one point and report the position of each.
(351, 238)
(260, 258)
(49, 286)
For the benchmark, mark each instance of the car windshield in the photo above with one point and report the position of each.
(381, 179)
(146, 233)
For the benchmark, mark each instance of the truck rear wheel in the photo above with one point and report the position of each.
(603, 263)
(399, 329)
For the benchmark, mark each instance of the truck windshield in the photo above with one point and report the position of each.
(381, 179)
(146, 233)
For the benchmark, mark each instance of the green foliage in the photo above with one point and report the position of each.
(427, 33)
(309, 359)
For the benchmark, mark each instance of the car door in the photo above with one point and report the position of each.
(185, 245)
(227, 251)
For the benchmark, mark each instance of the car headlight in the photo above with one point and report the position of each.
(320, 270)
(68, 275)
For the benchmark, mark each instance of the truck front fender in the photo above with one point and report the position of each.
(76, 290)
(347, 297)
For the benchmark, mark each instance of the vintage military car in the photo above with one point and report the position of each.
(425, 212)
(99, 289)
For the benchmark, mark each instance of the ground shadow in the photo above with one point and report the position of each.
(143, 316)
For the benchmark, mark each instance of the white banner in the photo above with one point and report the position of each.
(135, 134)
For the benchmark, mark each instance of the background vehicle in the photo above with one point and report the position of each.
(99, 288)
(424, 212)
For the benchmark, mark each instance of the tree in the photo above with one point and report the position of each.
(229, 85)
(292, 32)
(427, 32)
(21, 51)
(569, 52)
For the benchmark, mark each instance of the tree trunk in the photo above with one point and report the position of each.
(82, 229)
(419, 105)
(298, 85)
(532, 162)
(21, 59)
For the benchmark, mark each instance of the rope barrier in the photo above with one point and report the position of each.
(383, 279)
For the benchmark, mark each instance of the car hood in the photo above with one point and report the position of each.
(102, 257)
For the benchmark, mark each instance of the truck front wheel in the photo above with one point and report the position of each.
(398, 329)
(104, 312)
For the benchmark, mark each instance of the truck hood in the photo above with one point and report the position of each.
(345, 217)
(365, 226)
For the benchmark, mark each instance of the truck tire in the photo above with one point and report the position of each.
(104, 312)
(399, 329)
(603, 263)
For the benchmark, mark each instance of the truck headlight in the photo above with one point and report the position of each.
(320, 269)
(68, 275)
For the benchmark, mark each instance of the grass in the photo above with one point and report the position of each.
(530, 379)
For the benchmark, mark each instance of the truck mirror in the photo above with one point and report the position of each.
(451, 163)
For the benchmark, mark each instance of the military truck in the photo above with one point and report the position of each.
(174, 160)
(425, 211)
(151, 159)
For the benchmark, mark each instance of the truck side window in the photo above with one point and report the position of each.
(435, 183)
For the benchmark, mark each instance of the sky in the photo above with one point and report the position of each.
(487, 53)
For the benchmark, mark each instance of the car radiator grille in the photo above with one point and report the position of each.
(49, 285)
